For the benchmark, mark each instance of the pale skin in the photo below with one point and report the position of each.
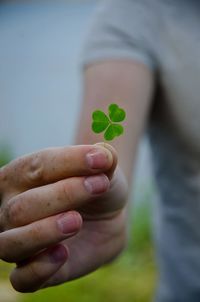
(63, 210)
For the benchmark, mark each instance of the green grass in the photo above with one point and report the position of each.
(122, 281)
(131, 277)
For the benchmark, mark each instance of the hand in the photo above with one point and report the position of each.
(50, 196)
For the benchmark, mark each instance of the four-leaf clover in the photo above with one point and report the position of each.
(109, 124)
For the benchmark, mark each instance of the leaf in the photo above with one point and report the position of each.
(100, 121)
(116, 113)
(112, 131)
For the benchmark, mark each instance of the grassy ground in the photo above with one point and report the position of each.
(131, 278)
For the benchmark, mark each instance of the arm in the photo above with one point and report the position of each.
(130, 85)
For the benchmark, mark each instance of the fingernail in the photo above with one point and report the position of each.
(97, 184)
(99, 158)
(58, 253)
(68, 223)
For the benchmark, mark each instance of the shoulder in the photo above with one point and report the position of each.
(124, 28)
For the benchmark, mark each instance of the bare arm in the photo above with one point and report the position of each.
(130, 85)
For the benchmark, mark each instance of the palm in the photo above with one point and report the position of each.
(102, 223)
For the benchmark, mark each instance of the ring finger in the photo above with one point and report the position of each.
(21, 243)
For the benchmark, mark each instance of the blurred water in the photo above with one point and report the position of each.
(40, 91)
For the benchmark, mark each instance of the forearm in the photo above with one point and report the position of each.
(128, 84)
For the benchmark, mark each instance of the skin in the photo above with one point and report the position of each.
(63, 210)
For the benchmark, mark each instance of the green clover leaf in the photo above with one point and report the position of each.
(101, 122)
(112, 131)
(116, 114)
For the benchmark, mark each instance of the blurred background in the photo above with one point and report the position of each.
(40, 93)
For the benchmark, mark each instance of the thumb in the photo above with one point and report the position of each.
(113, 152)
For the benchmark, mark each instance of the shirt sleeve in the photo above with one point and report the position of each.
(122, 29)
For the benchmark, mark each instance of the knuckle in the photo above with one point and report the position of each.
(67, 193)
(35, 169)
(12, 212)
(36, 233)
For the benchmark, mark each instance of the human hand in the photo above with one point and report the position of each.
(35, 189)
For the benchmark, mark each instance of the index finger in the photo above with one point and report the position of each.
(54, 164)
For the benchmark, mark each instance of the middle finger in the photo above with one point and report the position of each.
(45, 201)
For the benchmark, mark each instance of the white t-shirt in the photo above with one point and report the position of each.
(165, 35)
